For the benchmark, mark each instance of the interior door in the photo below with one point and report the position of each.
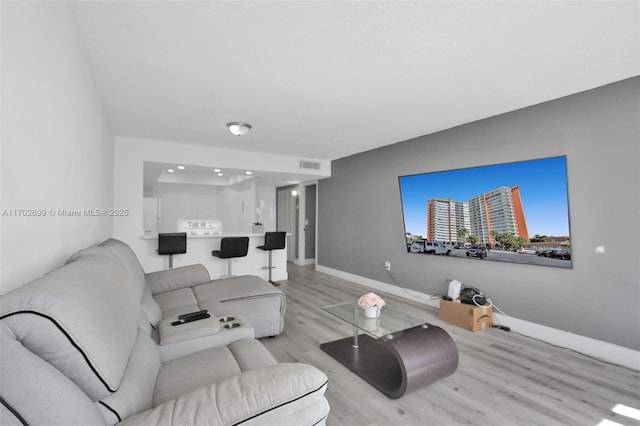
(310, 223)
(287, 218)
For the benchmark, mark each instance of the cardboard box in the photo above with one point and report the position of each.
(471, 317)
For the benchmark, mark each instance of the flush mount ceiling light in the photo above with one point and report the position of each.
(238, 128)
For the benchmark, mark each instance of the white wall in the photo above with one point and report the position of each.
(185, 202)
(130, 155)
(236, 207)
(266, 195)
(57, 150)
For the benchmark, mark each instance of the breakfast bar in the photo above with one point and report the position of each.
(199, 250)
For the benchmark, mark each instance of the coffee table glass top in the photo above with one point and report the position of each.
(388, 323)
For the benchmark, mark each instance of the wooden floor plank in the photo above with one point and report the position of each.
(503, 378)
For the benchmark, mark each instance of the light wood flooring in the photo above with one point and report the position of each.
(503, 378)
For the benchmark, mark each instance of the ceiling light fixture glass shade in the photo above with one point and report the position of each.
(238, 128)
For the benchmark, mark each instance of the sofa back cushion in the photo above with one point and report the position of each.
(123, 252)
(34, 392)
(82, 318)
(150, 307)
(135, 393)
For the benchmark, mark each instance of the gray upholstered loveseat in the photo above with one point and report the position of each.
(78, 346)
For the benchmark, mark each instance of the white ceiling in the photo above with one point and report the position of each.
(329, 79)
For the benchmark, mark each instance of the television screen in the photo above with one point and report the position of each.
(512, 212)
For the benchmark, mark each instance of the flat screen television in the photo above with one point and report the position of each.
(172, 243)
(512, 212)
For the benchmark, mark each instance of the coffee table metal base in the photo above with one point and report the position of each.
(410, 360)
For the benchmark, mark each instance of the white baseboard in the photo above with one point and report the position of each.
(416, 296)
(304, 262)
(598, 349)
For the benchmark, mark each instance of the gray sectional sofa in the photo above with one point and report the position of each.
(92, 343)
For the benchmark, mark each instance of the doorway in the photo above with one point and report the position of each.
(287, 205)
(309, 224)
(296, 215)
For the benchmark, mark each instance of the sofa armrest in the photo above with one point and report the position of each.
(170, 334)
(176, 278)
(263, 396)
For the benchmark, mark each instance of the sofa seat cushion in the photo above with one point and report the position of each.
(235, 288)
(199, 369)
(177, 302)
(262, 305)
(252, 297)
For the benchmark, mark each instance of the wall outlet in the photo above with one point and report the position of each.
(387, 265)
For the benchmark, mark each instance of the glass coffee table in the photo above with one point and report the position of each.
(395, 353)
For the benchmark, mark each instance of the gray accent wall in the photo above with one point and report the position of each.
(360, 222)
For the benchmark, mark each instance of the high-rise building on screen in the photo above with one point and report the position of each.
(498, 210)
(445, 219)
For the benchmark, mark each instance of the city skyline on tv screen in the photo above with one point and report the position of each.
(542, 188)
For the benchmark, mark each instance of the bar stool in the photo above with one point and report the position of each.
(172, 243)
(231, 247)
(273, 241)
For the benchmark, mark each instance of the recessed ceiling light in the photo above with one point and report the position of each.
(170, 170)
(249, 172)
(216, 170)
(181, 167)
(220, 174)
